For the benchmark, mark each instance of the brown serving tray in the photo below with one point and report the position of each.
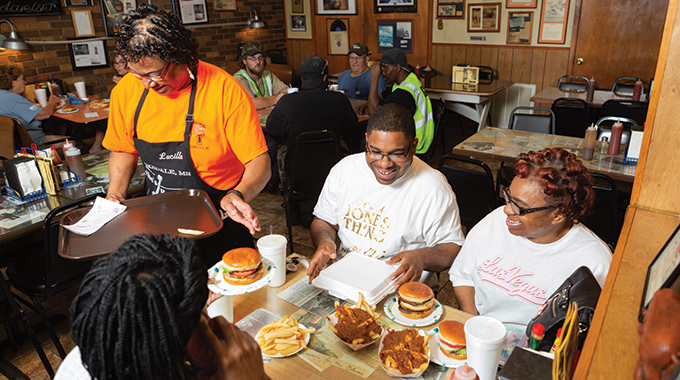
(152, 214)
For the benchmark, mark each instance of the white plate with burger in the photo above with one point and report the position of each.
(241, 271)
(448, 346)
(413, 306)
(67, 110)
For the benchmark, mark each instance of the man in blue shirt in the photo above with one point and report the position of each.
(356, 82)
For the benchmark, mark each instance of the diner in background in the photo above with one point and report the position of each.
(356, 82)
(13, 103)
(261, 84)
(403, 88)
(190, 122)
(386, 203)
(159, 281)
(119, 67)
(518, 255)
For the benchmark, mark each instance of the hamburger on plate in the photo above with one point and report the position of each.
(452, 340)
(242, 266)
(416, 300)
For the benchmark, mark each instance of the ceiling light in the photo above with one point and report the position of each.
(13, 41)
(254, 21)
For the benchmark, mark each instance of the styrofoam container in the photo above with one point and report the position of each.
(356, 273)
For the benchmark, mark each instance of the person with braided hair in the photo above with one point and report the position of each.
(138, 315)
(190, 122)
(515, 257)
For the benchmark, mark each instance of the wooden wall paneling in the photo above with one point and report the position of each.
(458, 55)
(556, 66)
(442, 59)
(505, 63)
(521, 65)
(474, 55)
(538, 68)
(489, 57)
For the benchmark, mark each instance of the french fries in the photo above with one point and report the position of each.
(404, 351)
(356, 325)
(282, 337)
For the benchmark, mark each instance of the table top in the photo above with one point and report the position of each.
(349, 363)
(442, 84)
(500, 144)
(17, 218)
(263, 113)
(85, 114)
(550, 94)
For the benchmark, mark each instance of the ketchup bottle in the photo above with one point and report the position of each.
(590, 90)
(615, 141)
(637, 90)
(589, 143)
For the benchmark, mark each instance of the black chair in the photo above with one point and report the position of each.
(571, 116)
(604, 128)
(313, 156)
(573, 83)
(533, 122)
(277, 56)
(486, 74)
(624, 86)
(43, 274)
(472, 181)
(605, 219)
(438, 110)
(630, 109)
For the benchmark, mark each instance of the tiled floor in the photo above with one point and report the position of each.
(272, 219)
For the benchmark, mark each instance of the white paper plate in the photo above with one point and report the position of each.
(391, 311)
(307, 337)
(63, 111)
(222, 287)
(437, 356)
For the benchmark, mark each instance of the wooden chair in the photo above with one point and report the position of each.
(13, 136)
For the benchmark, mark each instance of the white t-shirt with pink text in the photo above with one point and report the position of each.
(513, 276)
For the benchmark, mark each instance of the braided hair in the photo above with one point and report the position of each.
(137, 307)
(149, 32)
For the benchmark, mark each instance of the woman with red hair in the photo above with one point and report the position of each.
(515, 257)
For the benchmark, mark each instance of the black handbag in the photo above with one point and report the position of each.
(581, 287)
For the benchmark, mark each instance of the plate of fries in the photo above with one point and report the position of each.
(98, 104)
(411, 348)
(283, 337)
(355, 325)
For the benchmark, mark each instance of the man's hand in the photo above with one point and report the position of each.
(227, 352)
(324, 252)
(239, 211)
(376, 71)
(361, 109)
(411, 267)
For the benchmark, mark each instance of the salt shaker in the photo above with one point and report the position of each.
(604, 146)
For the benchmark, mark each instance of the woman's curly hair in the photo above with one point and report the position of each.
(565, 181)
(149, 32)
(8, 74)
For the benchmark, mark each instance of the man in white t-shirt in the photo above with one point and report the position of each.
(386, 203)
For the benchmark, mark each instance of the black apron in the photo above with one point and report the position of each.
(168, 166)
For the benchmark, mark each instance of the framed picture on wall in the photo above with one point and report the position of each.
(553, 28)
(395, 34)
(395, 6)
(451, 9)
(338, 36)
(298, 23)
(336, 7)
(113, 12)
(224, 5)
(71, 3)
(297, 6)
(88, 54)
(520, 3)
(519, 28)
(193, 12)
(484, 17)
(82, 23)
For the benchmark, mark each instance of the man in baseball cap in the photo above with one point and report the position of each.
(356, 82)
(263, 86)
(405, 89)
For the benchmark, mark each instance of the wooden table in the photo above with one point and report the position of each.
(548, 95)
(295, 367)
(471, 101)
(85, 114)
(500, 144)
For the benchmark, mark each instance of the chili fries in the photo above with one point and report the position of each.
(282, 337)
(357, 325)
(404, 352)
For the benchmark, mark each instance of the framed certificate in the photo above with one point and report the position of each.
(663, 272)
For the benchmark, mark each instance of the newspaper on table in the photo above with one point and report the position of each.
(310, 298)
(101, 213)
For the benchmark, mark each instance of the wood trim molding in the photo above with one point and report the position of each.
(503, 46)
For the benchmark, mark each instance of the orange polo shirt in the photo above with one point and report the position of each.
(225, 135)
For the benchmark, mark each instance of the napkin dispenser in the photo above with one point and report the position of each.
(23, 178)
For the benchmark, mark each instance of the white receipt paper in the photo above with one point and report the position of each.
(90, 115)
(101, 213)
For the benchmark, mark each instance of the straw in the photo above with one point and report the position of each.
(271, 229)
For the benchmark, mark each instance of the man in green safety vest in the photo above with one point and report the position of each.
(263, 86)
(403, 88)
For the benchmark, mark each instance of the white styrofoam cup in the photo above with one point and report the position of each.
(273, 247)
(484, 338)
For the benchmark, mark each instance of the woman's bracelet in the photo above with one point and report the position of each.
(234, 191)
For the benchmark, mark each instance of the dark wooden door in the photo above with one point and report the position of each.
(618, 38)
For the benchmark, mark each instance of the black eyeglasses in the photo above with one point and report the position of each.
(151, 76)
(394, 157)
(518, 210)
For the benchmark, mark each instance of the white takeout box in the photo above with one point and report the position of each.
(356, 273)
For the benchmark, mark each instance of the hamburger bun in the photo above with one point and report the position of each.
(452, 340)
(242, 266)
(416, 300)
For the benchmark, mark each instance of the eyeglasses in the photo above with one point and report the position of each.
(518, 210)
(121, 63)
(256, 59)
(356, 59)
(156, 78)
(394, 157)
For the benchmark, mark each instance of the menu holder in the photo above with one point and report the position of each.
(24, 179)
(632, 153)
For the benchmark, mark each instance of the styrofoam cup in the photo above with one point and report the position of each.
(80, 89)
(292, 90)
(484, 338)
(333, 87)
(41, 94)
(273, 247)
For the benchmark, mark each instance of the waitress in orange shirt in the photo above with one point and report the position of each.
(191, 123)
